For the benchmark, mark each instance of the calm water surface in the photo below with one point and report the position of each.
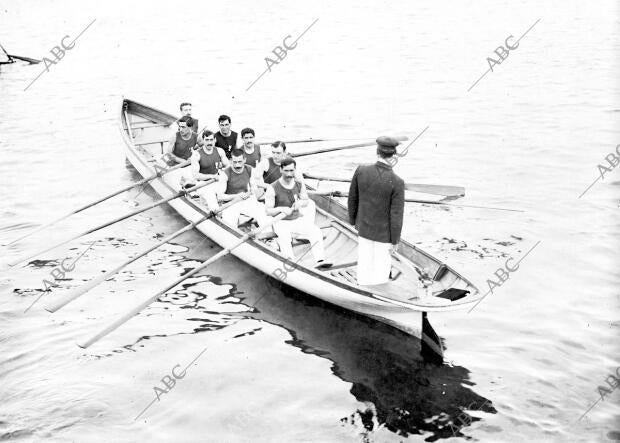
(524, 365)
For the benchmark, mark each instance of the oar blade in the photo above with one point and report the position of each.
(444, 190)
(126, 317)
(129, 315)
(76, 292)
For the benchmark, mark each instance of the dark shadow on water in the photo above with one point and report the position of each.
(403, 386)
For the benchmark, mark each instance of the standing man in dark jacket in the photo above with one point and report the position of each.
(376, 206)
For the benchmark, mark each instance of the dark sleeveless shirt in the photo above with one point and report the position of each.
(238, 183)
(286, 197)
(183, 148)
(253, 158)
(226, 143)
(209, 162)
(273, 172)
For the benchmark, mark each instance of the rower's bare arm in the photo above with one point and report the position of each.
(259, 171)
(299, 176)
(225, 160)
(253, 188)
(169, 149)
(303, 197)
(222, 185)
(270, 202)
(170, 146)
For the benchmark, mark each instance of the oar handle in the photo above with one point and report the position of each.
(147, 302)
(77, 292)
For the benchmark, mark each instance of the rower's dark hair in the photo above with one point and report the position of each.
(184, 104)
(236, 152)
(247, 131)
(279, 143)
(288, 161)
(223, 118)
(206, 133)
(187, 120)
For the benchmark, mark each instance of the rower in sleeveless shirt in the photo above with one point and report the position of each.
(179, 150)
(180, 145)
(288, 196)
(206, 164)
(186, 109)
(268, 168)
(252, 150)
(236, 180)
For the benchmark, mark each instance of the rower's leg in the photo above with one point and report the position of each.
(231, 215)
(209, 197)
(256, 211)
(308, 212)
(307, 229)
(282, 229)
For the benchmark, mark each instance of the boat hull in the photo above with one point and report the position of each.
(402, 315)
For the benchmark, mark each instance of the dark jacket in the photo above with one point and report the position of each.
(377, 203)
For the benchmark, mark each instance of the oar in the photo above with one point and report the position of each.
(7, 54)
(446, 191)
(78, 292)
(310, 140)
(96, 228)
(413, 200)
(105, 331)
(33, 61)
(120, 191)
(338, 148)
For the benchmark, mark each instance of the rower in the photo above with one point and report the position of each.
(206, 163)
(376, 205)
(289, 196)
(268, 168)
(225, 138)
(180, 146)
(186, 110)
(252, 151)
(236, 179)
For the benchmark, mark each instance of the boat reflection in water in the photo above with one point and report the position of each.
(407, 388)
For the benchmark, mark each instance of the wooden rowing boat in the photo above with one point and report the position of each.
(420, 283)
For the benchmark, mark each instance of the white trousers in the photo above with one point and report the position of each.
(250, 207)
(373, 262)
(208, 194)
(175, 177)
(302, 227)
